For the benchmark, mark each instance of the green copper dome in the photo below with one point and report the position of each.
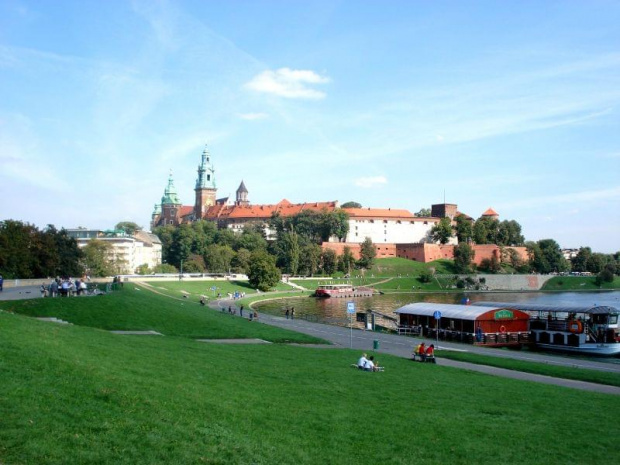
(170, 194)
(206, 173)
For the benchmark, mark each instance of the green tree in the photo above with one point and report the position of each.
(367, 254)
(218, 258)
(579, 262)
(463, 229)
(346, 261)
(442, 231)
(509, 233)
(129, 227)
(485, 230)
(490, 265)
(546, 257)
(143, 269)
(463, 257)
(310, 259)
(329, 262)
(99, 259)
(241, 261)
(194, 264)
(424, 213)
(596, 263)
(251, 239)
(351, 205)
(263, 273)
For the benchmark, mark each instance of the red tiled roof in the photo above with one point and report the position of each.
(490, 212)
(283, 208)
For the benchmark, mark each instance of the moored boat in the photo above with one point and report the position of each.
(342, 290)
(589, 330)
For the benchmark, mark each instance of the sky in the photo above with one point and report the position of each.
(513, 105)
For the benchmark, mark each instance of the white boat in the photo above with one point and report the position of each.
(575, 329)
(342, 290)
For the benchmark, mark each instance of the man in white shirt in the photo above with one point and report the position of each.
(361, 363)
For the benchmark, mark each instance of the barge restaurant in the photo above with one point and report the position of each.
(495, 326)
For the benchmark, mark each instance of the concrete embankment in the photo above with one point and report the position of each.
(515, 282)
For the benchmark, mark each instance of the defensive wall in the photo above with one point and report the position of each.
(515, 282)
(425, 253)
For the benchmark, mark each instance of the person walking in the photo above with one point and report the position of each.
(241, 311)
(287, 313)
(292, 313)
(1, 282)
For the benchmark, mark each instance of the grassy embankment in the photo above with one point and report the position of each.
(135, 309)
(393, 275)
(591, 376)
(579, 283)
(73, 394)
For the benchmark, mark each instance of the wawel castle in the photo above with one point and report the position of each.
(394, 232)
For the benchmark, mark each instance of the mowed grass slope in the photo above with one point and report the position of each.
(72, 394)
(133, 308)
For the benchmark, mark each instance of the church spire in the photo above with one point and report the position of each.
(170, 193)
(206, 173)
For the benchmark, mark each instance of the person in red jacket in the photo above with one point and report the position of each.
(430, 352)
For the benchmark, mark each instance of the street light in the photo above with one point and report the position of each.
(181, 274)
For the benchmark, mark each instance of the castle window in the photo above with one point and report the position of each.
(372, 221)
(385, 221)
(208, 177)
(426, 222)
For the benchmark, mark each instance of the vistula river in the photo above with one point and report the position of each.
(334, 311)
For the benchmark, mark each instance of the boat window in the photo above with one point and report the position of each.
(613, 319)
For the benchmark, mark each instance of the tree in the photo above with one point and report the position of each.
(194, 264)
(463, 256)
(129, 227)
(351, 205)
(579, 262)
(546, 256)
(442, 231)
(241, 261)
(509, 233)
(263, 273)
(346, 261)
(218, 258)
(485, 230)
(596, 263)
(367, 254)
(99, 259)
(424, 213)
(329, 261)
(464, 231)
(310, 259)
(250, 239)
(490, 265)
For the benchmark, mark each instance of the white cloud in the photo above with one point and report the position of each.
(288, 83)
(370, 182)
(253, 116)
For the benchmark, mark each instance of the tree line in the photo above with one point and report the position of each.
(294, 248)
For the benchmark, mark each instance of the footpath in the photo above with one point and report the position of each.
(402, 346)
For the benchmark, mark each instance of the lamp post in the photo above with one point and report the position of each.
(181, 273)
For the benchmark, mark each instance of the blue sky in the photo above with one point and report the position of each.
(510, 105)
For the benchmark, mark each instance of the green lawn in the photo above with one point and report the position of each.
(591, 376)
(72, 394)
(134, 308)
(578, 283)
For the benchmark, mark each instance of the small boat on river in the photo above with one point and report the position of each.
(342, 290)
(589, 330)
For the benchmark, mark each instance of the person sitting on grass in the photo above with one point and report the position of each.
(418, 350)
(361, 363)
(370, 364)
(430, 352)
(422, 352)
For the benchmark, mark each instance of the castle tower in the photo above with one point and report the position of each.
(170, 204)
(205, 186)
(242, 195)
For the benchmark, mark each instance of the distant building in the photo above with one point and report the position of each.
(130, 251)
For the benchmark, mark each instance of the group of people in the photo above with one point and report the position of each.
(290, 312)
(368, 363)
(423, 352)
(65, 287)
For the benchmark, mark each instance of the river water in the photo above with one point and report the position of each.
(331, 310)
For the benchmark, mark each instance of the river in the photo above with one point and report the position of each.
(335, 310)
